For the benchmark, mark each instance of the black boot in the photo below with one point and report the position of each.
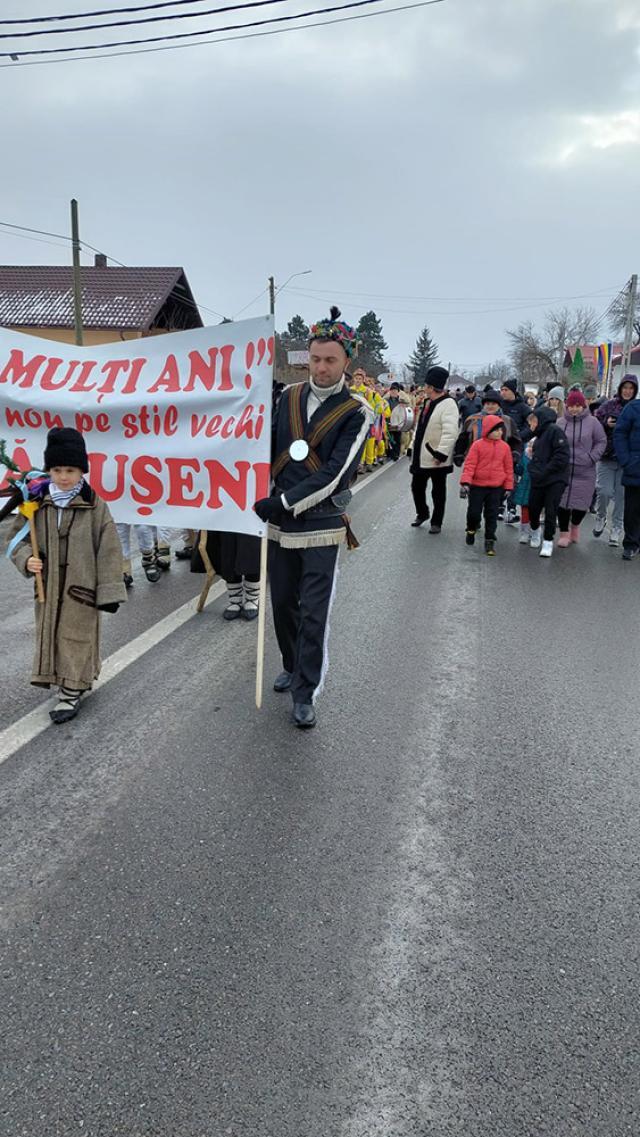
(150, 566)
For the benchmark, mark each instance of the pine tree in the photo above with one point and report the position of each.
(371, 344)
(296, 337)
(424, 356)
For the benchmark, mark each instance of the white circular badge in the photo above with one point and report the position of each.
(299, 450)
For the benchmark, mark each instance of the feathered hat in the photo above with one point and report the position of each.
(335, 329)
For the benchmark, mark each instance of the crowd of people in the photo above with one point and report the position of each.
(542, 462)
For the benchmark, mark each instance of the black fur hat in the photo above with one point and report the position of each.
(65, 447)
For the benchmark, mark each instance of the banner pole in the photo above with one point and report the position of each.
(262, 617)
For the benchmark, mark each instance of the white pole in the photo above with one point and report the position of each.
(262, 617)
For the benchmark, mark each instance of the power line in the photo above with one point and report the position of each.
(102, 12)
(140, 20)
(321, 292)
(221, 39)
(524, 307)
(190, 35)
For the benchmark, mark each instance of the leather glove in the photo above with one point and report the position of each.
(113, 608)
(269, 508)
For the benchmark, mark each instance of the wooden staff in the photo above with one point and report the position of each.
(28, 510)
(262, 616)
(211, 576)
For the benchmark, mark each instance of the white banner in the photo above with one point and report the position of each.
(177, 427)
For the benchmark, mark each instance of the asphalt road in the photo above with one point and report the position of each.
(418, 920)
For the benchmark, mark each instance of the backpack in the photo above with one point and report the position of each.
(401, 418)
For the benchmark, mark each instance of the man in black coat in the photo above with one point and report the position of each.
(319, 433)
(514, 405)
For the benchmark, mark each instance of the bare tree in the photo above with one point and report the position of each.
(538, 355)
(494, 373)
(617, 319)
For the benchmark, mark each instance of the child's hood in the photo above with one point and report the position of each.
(490, 422)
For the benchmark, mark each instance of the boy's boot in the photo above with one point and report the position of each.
(234, 601)
(67, 706)
(250, 604)
(490, 548)
(470, 537)
(163, 556)
(535, 537)
(126, 573)
(525, 533)
(150, 566)
(547, 549)
(574, 534)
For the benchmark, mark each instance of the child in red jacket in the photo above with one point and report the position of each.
(488, 472)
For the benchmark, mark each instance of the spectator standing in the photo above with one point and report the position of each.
(587, 443)
(609, 487)
(432, 458)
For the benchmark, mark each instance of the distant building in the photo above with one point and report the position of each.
(117, 303)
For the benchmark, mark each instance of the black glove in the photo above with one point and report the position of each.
(269, 508)
(113, 608)
(437, 454)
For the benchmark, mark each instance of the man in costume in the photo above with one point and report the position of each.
(319, 432)
(432, 459)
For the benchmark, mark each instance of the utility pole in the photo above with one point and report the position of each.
(272, 296)
(77, 283)
(628, 332)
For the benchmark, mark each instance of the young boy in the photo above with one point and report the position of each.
(488, 472)
(80, 561)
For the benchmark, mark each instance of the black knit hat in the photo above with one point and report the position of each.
(491, 396)
(65, 447)
(436, 377)
(511, 385)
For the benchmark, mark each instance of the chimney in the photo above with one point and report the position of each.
(100, 260)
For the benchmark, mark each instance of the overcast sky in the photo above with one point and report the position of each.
(437, 165)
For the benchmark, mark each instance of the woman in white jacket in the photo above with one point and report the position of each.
(432, 458)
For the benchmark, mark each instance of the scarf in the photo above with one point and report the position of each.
(62, 498)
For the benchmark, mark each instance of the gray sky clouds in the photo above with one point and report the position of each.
(476, 149)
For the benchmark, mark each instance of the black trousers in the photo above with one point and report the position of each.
(547, 498)
(567, 517)
(489, 499)
(302, 583)
(631, 517)
(419, 482)
(394, 439)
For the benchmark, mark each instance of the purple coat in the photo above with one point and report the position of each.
(587, 442)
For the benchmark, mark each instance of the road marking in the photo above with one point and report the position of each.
(13, 737)
(33, 723)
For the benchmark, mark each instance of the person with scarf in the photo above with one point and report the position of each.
(319, 432)
(80, 563)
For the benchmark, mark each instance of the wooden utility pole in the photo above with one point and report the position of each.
(272, 296)
(77, 283)
(628, 332)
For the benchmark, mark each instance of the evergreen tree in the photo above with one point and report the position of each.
(424, 356)
(296, 337)
(371, 344)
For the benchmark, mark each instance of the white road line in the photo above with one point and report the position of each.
(33, 723)
(13, 737)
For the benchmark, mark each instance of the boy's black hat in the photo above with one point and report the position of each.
(65, 447)
(492, 397)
